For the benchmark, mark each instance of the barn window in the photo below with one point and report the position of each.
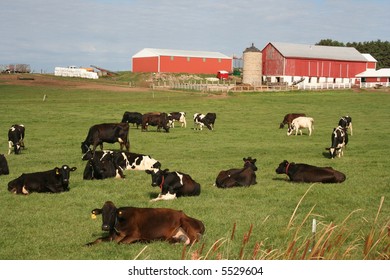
(172, 57)
(219, 60)
(204, 59)
(188, 59)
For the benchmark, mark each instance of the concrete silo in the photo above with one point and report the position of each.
(252, 68)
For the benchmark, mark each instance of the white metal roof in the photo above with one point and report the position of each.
(149, 52)
(369, 57)
(372, 73)
(320, 52)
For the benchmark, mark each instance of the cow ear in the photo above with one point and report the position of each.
(57, 171)
(96, 211)
(73, 168)
(148, 171)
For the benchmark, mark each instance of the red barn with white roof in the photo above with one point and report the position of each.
(180, 61)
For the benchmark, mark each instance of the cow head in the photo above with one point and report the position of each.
(109, 215)
(290, 129)
(281, 125)
(157, 176)
(283, 167)
(250, 162)
(64, 174)
(84, 147)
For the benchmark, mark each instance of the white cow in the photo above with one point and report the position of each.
(299, 123)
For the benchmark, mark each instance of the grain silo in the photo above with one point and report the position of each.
(252, 68)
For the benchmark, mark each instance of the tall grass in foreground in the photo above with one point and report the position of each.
(331, 242)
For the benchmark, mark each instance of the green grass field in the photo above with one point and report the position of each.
(269, 220)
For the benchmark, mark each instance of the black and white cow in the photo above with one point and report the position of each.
(4, 170)
(177, 117)
(102, 165)
(128, 160)
(16, 138)
(173, 184)
(339, 140)
(132, 117)
(207, 120)
(346, 122)
(109, 133)
(52, 181)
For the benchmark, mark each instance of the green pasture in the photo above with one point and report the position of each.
(266, 217)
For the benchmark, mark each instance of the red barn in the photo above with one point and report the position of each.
(285, 62)
(374, 78)
(180, 61)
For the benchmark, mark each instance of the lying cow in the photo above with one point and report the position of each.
(346, 122)
(155, 119)
(289, 118)
(299, 123)
(132, 117)
(173, 184)
(177, 117)
(238, 177)
(127, 225)
(109, 133)
(207, 120)
(4, 170)
(339, 141)
(51, 181)
(128, 160)
(16, 138)
(300, 172)
(102, 166)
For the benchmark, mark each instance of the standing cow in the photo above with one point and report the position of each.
(339, 140)
(109, 133)
(16, 138)
(346, 122)
(52, 181)
(299, 123)
(132, 117)
(173, 184)
(288, 118)
(207, 120)
(155, 119)
(177, 117)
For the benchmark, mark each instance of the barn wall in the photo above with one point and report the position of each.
(273, 62)
(145, 64)
(194, 65)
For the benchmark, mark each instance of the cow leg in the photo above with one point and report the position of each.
(9, 147)
(100, 240)
(180, 236)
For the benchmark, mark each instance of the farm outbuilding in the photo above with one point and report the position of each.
(374, 78)
(180, 61)
(313, 64)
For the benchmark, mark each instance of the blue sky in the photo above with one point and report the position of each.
(107, 33)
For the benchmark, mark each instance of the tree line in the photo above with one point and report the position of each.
(380, 50)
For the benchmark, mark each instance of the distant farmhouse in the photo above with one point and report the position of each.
(180, 61)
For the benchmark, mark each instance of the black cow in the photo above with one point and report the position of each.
(288, 118)
(346, 122)
(238, 177)
(177, 117)
(300, 172)
(4, 170)
(132, 117)
(109, 133)
(207, 120)
(127, 225)
(155, 119)
(51, 181)
(339, 140)
(16, 138)
(173, 184)
(102, 166)
(128, 160)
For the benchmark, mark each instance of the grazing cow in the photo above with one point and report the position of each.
(300, 172)
(132, 117)
(52, 181)
(301, 122)
(339, 140)
(127, 225)
(102, 166)
(207, 120)
(16, 138)
(346, 122)
(173, 184)
(238, 177)
(179, 117)
(3, 165)
(109, 133)
(155, 119)
(289, 118)
(127, 160)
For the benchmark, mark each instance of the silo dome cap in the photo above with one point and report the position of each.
(252, 49)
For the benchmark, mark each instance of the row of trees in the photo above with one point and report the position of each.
(380, 50)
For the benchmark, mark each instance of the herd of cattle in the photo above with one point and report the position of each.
(131, 224)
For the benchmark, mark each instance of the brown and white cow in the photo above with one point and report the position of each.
(127, 225)
(238, 177)
(305, 173)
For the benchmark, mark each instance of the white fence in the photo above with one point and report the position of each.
(75, 72)
(324, 86)
(374, 85)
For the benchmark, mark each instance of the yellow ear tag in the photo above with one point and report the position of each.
(93, 216)
(57, 172)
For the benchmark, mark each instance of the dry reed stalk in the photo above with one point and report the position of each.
(216, 245)
(296, 208)
(136, 257)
